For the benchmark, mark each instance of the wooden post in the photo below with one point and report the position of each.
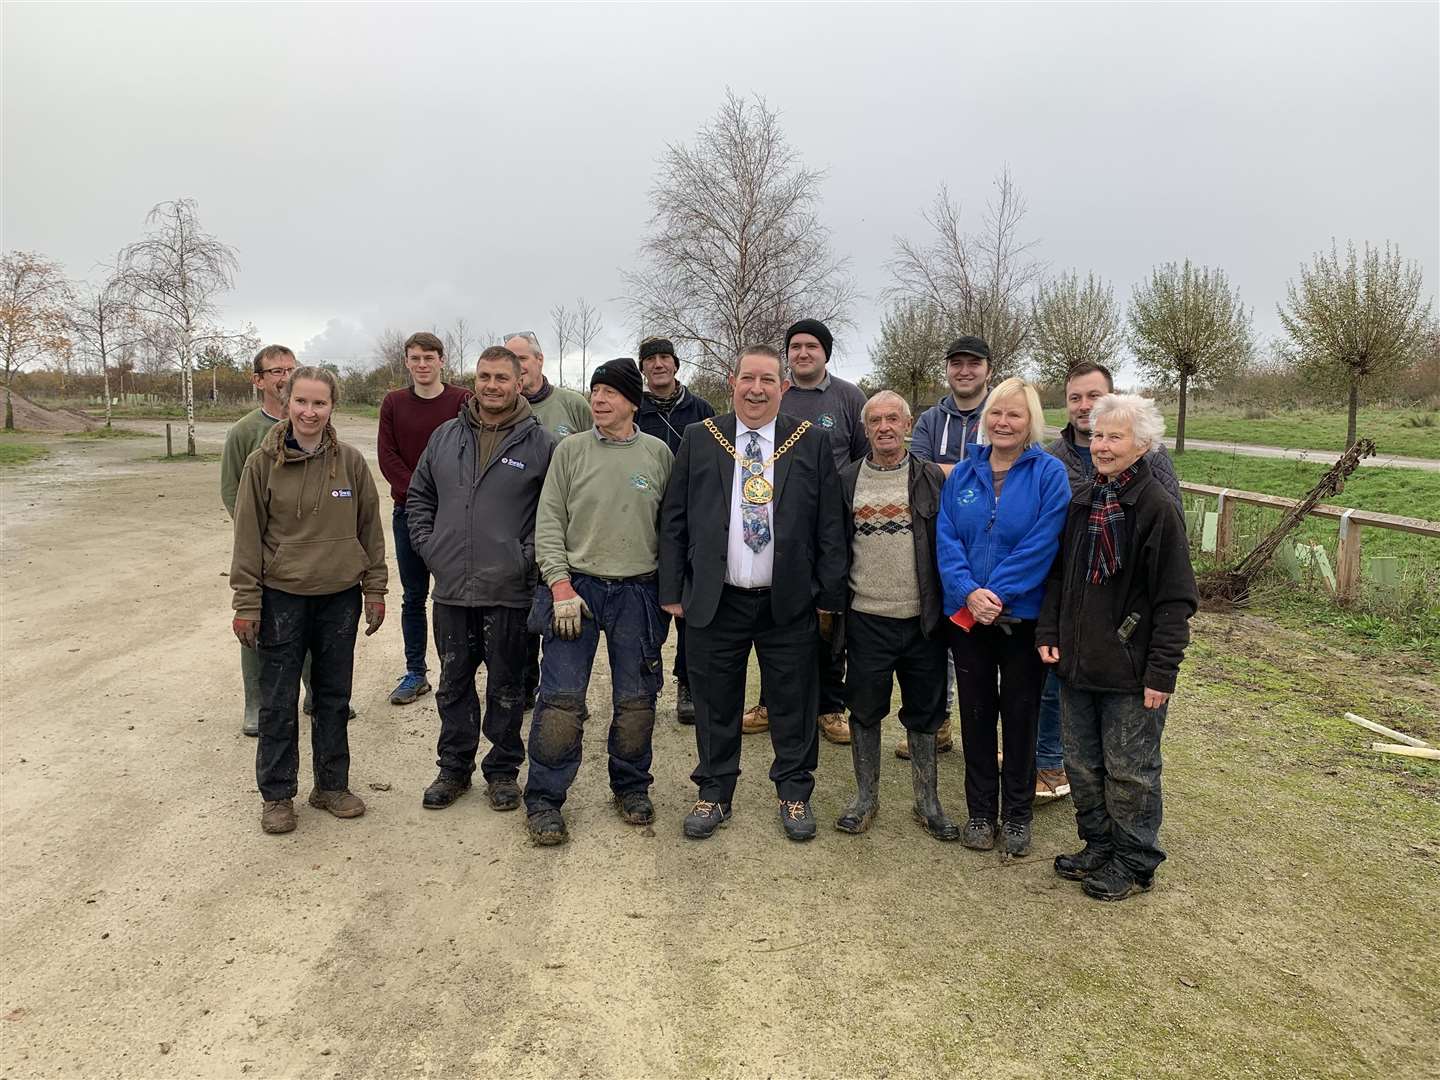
(1347, 559)
(1225, 529)
(169, 451)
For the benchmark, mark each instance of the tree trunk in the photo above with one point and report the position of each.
(1180, 418)
(189, 395)
(106, 368)
(1354, 408)
(9, 411)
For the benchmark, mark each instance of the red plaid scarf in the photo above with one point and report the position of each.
(1106, 516)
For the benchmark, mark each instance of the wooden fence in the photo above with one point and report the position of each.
(1347, 557)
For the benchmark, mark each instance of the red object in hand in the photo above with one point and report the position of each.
(247, 630)
(963, 619)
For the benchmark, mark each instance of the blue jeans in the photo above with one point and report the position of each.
(1049, 754)
(1112, 755)
(628, 611)
(415, 581)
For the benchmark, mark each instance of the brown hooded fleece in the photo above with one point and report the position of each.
(307, 524)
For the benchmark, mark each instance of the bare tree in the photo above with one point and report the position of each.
(103, 326)
(389, 353)
(909, 358)
(458, 340)
(563, 322)
(33, 295)
(1188, 327)
(174, 277)
(736, 251)
(1072, 322)
(980, 282)
(588, 325)
(1356, 320)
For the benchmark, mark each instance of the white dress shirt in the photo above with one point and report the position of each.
(744, 568)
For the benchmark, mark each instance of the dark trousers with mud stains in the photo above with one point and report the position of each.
(881, 650)
(291, 626)
(627, 610)
(680, 671)
(718, 656)
(465, 638)
(998, 674)
(1112, 756)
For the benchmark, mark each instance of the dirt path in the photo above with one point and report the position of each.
(1321, 457)
(150, 929)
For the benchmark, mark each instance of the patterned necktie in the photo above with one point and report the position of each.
(754, 519)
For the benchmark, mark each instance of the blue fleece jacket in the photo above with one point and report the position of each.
(943, 432)
(1005, 545)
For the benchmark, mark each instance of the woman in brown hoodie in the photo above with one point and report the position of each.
(308, 546)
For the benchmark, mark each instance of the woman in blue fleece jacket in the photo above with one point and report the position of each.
(1001, 513)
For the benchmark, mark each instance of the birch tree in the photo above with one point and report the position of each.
(736, 251)
(588, 325)
(174, 276)
(103, 326)
(562, 321)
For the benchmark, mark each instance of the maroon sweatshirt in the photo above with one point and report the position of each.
(406, 423)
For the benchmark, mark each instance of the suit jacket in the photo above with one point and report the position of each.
(807, 521)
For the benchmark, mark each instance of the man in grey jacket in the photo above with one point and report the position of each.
(471, 509)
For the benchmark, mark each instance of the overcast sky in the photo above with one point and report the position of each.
(396, 166)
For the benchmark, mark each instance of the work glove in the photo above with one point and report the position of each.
(568, 616)
(374, 616)
(247, 630)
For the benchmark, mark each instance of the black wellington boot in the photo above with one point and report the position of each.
(865, 752)
(928, 811)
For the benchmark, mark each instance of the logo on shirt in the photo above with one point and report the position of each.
(564, 429)
(641, 482)
(826, 421)
(968, 496)
(341, 493)
(512, 463)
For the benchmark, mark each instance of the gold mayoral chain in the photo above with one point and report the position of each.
(756, 490)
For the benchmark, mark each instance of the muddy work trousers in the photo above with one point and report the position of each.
(880, 651)
(1112, 757)
(465, 638)
(627, 610)
(291, 626)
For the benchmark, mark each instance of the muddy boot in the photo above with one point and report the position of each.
(865, 752)
(928, 811)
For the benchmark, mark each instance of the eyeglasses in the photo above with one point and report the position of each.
(276, 371)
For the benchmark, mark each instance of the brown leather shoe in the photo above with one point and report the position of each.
(756, 719)
(342, 804)
(944, 742)
(835, 727)
(1051, 784)
(278, 816)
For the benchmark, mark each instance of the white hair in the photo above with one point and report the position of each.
(883, 396)
(1146, 424)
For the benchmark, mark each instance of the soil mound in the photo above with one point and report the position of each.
(32, 417)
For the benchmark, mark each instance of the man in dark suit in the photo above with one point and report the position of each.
(753, 552)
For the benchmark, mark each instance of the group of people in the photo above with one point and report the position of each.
(1048, 589)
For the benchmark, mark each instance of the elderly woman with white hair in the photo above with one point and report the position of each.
(1001, 512)
(1116, 621)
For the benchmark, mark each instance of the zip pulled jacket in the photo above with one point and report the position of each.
(1155, 584)
(924, 483)
(1005, 545)
(668, 425)
(306, 523)
(943, 432)
(473, 521)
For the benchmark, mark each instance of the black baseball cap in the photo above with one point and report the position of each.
(970, 346)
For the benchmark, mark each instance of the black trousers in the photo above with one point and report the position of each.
(829, 678)
(532, 663)
(718, 655)
(984, 656)
(880, 650)
(465, 638)
(290, 627)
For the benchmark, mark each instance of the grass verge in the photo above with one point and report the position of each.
(17, 451)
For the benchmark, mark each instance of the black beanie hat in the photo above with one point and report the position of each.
(654, 346)
(621, 374)
(814, 327)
